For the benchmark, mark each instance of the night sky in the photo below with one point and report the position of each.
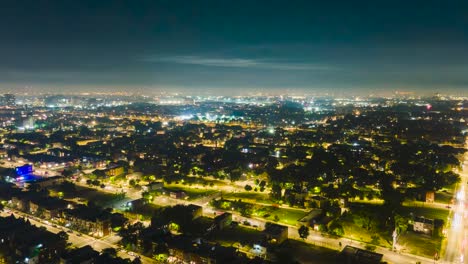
(235, 46)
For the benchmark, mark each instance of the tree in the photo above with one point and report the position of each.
(303, 232)
(136, 260)
(63, 235)
(132, 183)
(68, 187)
(110, 251)
(276, 218)
(276, 191)
(235, 175)
(335, 228)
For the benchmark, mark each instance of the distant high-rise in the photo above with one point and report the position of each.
(9, 99)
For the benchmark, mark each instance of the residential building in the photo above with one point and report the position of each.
(177, 194)
(153, 186)
(89, 220)
(223, 220)
(275, 234)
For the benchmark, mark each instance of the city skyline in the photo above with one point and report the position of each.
(216, 47)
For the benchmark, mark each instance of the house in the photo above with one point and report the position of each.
(195, 210)
(3, 153)
(427, 225)
(275, 234)
(138, 203)
(153, 186)
(186, 250)
(319, 201)
(20, 203)
(177, 194)
(223, 220)
(114, 170)
(47, 207)
(311, 218)
(83, 255)
(24, 241)
(430, 196)
(49, 181)
(353, 255)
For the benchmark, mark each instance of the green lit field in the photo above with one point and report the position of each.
(428, 212)
(193, 193)
(286, 215)
(250, 197)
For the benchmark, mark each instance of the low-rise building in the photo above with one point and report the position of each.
(153, 186)
(187, 250)
(83, 255)
(93, 221)
(47, 182)
(319, 201)
(23, 242)
(427, 225)
(20, 203)
(47, 207)
(223, 220)
(177, 194)
(275, 234)
(195, 210)
(114, 170)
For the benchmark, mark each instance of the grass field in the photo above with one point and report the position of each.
(355, 232)
(428, 212)
(250, 197)
(285, 215)
(193, 193)
(419, 244)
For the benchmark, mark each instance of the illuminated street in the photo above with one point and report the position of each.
(457, 236)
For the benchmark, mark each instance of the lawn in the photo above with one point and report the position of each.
(358, 233)
(250, 197)
(428, 212)
(193, 193)
(444, 196)
(410, 242)
(419, 244)
(287, 216)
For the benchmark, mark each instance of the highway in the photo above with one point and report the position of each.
(457, 236)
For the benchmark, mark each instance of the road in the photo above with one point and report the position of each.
(457, 236)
